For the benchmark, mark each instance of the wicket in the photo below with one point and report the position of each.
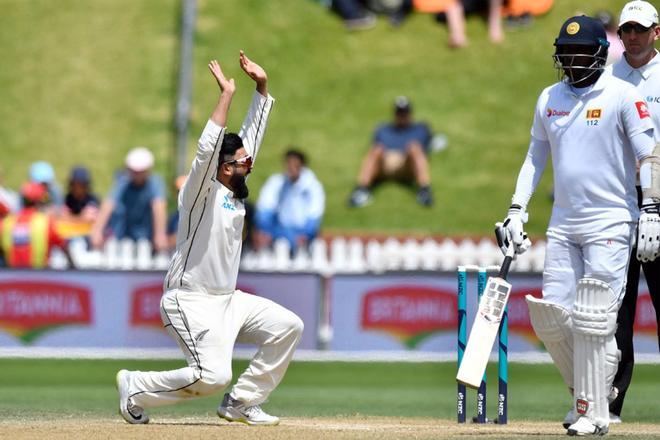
(482, 276)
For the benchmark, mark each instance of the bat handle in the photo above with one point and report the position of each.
(506, 264)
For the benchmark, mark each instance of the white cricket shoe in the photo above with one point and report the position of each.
(571, 416)
(234, 410)
(583, 427)
(133, 414)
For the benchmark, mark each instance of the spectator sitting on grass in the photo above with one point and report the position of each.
(399, 151)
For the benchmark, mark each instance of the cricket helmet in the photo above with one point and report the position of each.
(581, 49)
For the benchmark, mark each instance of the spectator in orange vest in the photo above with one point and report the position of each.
(28, 236)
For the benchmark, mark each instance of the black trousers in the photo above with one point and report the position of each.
(626, 320)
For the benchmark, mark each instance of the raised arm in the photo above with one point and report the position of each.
(254, 71)
(254, 126)
(204, 166)
(227, 89)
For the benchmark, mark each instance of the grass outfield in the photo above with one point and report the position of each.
(72, 389)
(86, 81)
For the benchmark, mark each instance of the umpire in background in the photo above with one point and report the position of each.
(640, 66)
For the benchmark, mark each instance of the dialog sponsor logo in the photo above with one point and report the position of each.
(409, 313)
(29, 309)
(145, 306)
(556, 113)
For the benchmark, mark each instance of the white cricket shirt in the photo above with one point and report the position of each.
(210, 234)
(592, 157)
(647, 81)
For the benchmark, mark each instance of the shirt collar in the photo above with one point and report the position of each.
(622, 69)
(594, 88)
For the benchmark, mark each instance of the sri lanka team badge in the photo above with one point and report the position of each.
(573, 28)
(594, 113)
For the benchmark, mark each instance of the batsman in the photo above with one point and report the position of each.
(594, 127)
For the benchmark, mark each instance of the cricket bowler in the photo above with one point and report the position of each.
(201, 307)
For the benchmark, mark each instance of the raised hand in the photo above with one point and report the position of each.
(254, 71)
(226, 85)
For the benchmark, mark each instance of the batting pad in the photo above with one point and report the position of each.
(594, 328)
(552, 324)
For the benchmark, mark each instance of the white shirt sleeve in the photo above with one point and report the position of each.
(204, 166)
(317, 200)
(538, 129)
(635, 114)
(255, 122)
(531, 171)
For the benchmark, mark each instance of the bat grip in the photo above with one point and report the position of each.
(506, 264)
(508, 258)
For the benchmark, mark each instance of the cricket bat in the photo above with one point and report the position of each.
(486, 324)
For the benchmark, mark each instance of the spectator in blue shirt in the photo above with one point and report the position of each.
(399, 152)
(173, 219)
(290, 205)
(136, 206)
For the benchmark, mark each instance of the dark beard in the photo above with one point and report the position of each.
(239, 186)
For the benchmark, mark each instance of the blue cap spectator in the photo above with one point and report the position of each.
(42, 172)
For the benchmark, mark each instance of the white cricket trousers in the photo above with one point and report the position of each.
(602, 253)
(206, 327)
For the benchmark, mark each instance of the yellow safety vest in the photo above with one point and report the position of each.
(38, 239)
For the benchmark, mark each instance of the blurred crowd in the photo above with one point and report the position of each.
(362, 14)
(41, 216)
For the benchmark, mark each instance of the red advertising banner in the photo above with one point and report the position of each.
(28, 309)
(518, 313)
(410, 313)
(145, 305)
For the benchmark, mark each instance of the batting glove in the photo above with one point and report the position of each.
(648, 233)
(513, 225)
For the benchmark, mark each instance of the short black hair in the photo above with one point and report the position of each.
(293, 152)
(230, 144)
